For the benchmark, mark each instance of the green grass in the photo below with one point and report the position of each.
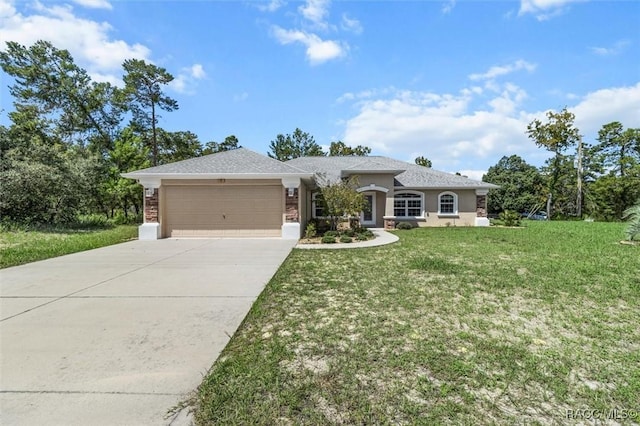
(23, 246)
(447, 326)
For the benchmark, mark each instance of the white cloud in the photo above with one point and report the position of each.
(616, 49)
(473, 174)
(459, 131)
(316, 11)
(497, 71)
(88, 41)
(544, 9)
(186, 80)
(318, 50)
(352, 25)
(94, 4)
(606, 105)
(272, 6)
(448, 6)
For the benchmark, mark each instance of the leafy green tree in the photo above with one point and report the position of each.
(556, 135)
(618, 148)
(521, 186)
(340, 149)
(143, 90)
(177, 146)
(341, 199)
(128, 154)
(230, 142)
(53, 96)
(423, 161)
(290, 146)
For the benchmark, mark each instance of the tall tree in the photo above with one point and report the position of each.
(619, 147)
(521, 186)
(290, 146)
(340, 149)
(556, 135)
(56, 96)
(177, 146)
(143, 88)
(423, 161)
(230, 142)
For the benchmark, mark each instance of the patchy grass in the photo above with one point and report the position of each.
(447, 326)
(19, 246)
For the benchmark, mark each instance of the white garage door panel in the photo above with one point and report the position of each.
(218, 211)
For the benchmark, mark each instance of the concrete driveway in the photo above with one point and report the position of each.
(121, 334)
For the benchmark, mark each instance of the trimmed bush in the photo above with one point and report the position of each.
(404, 225)
(328, 239)
(331, 234)
(350, 233)
(345, 239)
(509, 218)
(310, 230)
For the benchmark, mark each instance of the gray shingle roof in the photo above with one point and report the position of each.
(407, 175)
(237, 161)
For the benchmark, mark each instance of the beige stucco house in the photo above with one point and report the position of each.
(241, 193)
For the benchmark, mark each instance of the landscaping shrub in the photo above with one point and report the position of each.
(404, 225)
(345, 239)
(310, 230)
(509, 218)
(331, 234)
(350, 233)
(365, 233)
(328, 239)
(632, 214)
(322, 225)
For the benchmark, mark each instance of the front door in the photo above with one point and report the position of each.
(368, 216)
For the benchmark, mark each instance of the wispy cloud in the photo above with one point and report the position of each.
(497, 71)
(617, 48)
(545, 9)
(448, 6)
(349, 24)
(318, 50)
(316, 11)
(271, 6)
(94, 4)
(186, 80)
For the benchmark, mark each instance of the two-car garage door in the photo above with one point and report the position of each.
(223, 211)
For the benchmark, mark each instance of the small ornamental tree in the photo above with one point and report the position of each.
(341, 200)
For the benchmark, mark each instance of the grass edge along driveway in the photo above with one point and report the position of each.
(18, 247)
(447, 326)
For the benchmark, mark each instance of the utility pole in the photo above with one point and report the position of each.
(579, 166)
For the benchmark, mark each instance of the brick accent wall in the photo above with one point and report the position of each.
(389, 224)
(151, 207)
(291, 206)
(481, 206)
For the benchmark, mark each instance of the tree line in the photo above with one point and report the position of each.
(70, 138)
(600, 179)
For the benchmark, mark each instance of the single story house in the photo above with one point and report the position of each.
(241, 193)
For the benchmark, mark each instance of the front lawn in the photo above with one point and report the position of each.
(19, 246)
(447, 326)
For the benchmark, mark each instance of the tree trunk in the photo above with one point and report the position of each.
(579, 197)
(549, 199)
(154, 136)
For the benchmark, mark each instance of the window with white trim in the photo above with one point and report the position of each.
(448, 203)
(408, 204)
(317, 205)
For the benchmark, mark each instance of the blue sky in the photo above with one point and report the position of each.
(455, 81)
